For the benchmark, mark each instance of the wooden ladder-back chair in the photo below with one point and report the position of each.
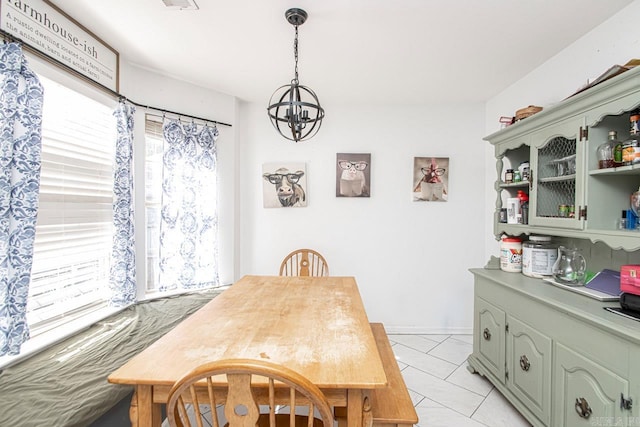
(304, 262)
(251, 383)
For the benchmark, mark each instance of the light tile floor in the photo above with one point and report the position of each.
(444, 392)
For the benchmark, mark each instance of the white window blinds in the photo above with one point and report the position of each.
(74, 230)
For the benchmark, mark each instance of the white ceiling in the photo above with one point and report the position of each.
(351, 51)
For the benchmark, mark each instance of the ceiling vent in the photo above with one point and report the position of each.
(181, 4)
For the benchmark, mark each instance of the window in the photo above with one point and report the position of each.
(180, 190)
(70, 273)
(69, 287)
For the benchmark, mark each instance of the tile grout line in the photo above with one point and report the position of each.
(484, 397)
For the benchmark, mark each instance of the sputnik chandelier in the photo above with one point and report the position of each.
(294, 109)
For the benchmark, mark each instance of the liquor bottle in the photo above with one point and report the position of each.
(605, 151)
(631, 146)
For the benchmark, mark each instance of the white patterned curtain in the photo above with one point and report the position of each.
(123, 260)
(189, 217)
(21, 97)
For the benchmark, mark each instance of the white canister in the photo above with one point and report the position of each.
(513, 209)
(538, 256)
(511, 254)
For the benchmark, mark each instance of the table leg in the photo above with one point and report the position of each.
(359, 408)
(133, 409)
(367, 415)
(143, 412)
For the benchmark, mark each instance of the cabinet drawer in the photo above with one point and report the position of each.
(490, 335)
(529, 367)
(587, 393)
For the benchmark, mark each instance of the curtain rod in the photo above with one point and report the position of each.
(42, 55)
(164, 110)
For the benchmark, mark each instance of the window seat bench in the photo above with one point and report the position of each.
(392, 405)
(66, 384)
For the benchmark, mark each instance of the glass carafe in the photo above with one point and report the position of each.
(570, 266)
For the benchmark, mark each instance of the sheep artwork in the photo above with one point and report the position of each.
(289, 187)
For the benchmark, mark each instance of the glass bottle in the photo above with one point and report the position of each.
(631, 146)
(508, 176)
(622, 222)
(617, 154)
(606, 149)
(516, 176)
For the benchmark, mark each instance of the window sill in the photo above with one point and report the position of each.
(153, 295)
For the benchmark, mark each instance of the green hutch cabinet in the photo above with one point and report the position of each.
(558, 356)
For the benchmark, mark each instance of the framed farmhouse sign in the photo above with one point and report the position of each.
(50, 31)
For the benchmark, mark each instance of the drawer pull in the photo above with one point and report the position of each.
(582, 408)
(524, 363)
(486, 334)
(625, 404)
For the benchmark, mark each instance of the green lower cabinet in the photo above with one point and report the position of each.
(588, 393)
(529, 367)
(558, 357)
(490, 330)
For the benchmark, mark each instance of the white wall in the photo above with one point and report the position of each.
(613, 42)
(410, 259)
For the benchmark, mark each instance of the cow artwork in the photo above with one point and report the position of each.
(353, 175)
(284, 185)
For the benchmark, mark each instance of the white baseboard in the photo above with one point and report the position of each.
(423, 330)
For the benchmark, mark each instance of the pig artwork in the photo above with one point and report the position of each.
(286, 184)
(431, 179)
(352, 175)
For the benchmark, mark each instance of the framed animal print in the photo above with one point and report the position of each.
(430, 179)
(353, 175)
(284, 185)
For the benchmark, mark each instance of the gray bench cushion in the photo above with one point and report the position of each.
(66, 384)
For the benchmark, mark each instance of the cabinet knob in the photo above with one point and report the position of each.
(486, 334)
(582, 408)
(524, 363)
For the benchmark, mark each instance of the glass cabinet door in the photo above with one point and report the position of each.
(557, 168)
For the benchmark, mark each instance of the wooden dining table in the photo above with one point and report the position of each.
(316, 326)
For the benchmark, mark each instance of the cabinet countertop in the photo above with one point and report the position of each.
(586, 309)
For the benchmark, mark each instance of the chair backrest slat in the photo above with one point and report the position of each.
(272, 403)
(212, 401)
